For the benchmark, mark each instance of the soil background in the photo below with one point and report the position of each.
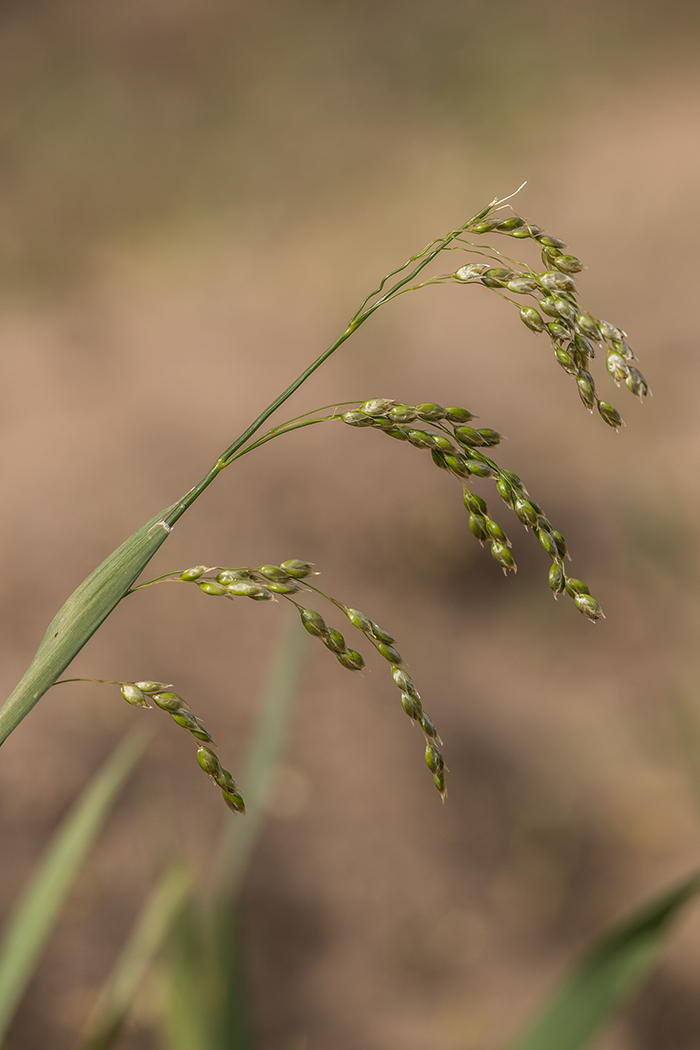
(194, 197)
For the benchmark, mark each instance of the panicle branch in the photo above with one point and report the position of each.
(139, 693)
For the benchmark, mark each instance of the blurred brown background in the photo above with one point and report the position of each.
(194, 196)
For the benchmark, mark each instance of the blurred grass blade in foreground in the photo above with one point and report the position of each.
(31, 921)
(205, 969)
(239, 836)
(152, 927)
(606, 976)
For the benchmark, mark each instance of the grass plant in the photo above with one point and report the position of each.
(203, 968)
(552, 309)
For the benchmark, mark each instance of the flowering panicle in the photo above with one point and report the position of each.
(139, 693)
(265, 582)
(458, 450)
(573, 331)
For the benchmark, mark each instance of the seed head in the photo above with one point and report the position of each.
(404, 682)
(209, 587)
(496, 277)
(439, 441)
(496, 532)
(382, 635)
(402, 413)
(377, 406)
(525, 511)
(553, 281)
(283, 588)
(530, 317)
(522, 286)
(439, 779)
(525, 231)
(396, 432)
(351, 659)
(556, 577)
(480, 469)
(227, 576)
(150, 687)
(418, 438)
(169, 701)
(558, 330)
(610, 414)
(551, 242)
(357, 419)
(133, 695)
(474, 503)
(513, 223)
(588, 326)
(297, 568)
(489, 437)
(623, 349)
(428, 726)
(611, 331)
(263, 595)
(313, 622)
(334, 640)
(586, 604)
(454, 414)
(411, 705)
(469, 437)
(456, 463)
(567, 263)
(359, 620)
(473, 271)
(616, 366)
(505, 491)
(636, 382)
(477, 525)
(433, 758)
(193, 574)
(561, 543)
(248, 589)
(502, 555)
(558, 307)
(225, 781)
(234, 801)
(548, 542)
(274, 572)
(208, 761)
(430, 411)
(574, 587)
(485, 227)
(583, 346)
(586, 388)
(188, 721)
(390, 653)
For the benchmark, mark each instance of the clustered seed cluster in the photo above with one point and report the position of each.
(139, 693)
(383, 642)
(455, 446)
(572, 330)
(460, 454)
(266, 582)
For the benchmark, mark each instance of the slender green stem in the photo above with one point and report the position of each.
(358, 319)
(167, 577)
(278, 431)
(100, 681)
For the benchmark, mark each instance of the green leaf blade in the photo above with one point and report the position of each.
(78, 619)
(153, 925)
(34, 915)
(605, 977)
